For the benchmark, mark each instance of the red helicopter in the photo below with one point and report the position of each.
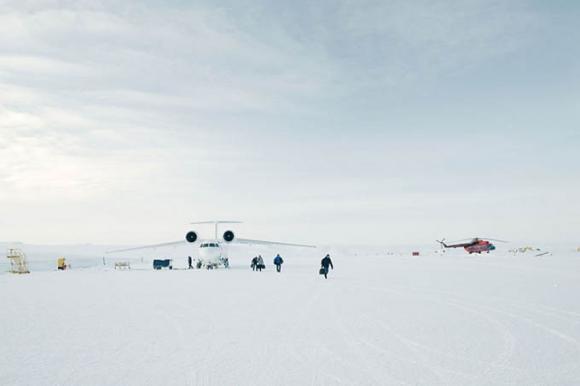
(474, 245)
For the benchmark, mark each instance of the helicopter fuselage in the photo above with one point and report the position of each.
(479, 246)
(474, 246)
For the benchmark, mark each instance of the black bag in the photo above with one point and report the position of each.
(322, 271)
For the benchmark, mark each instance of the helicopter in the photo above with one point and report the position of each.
(473, 245)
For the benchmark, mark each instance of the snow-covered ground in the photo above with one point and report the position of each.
(379, 319)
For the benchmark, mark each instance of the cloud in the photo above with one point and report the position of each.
(394, 43)
(161, 110)
(28, 65)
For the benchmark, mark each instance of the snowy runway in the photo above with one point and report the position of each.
(377, 320)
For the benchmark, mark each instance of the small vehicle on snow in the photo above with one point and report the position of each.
(162, 263)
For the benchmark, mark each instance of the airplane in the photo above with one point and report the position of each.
(212, 253)
(474, 245)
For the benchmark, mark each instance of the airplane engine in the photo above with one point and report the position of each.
(229, 236)
(191, 237)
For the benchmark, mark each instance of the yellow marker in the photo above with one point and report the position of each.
(61, 263)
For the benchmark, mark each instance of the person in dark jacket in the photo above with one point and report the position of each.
(260, 263)
(278, 261)
(325, 263)
(189, 261)
(254, 263)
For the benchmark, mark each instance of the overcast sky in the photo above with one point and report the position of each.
(312, 121)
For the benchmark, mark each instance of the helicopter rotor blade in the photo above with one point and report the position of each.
(462, 240)
(489, 238)
(478, 238)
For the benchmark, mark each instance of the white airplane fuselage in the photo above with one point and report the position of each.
(211, 254)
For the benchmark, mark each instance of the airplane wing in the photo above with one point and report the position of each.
(149, 246)
(263, 242)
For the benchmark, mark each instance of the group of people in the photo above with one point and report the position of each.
(257, 264)
(198, 263)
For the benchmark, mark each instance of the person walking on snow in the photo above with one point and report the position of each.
(189, 261)
(260, 263)
(278, 262)
(254, 263)
(325, 263)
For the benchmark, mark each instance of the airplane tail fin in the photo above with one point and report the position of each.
(216, 224)
(442, 242)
